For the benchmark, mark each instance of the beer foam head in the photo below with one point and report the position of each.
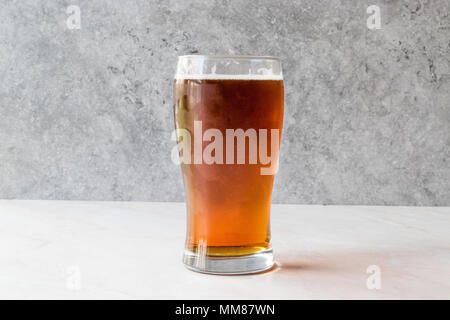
(181, 76)
(199, 67)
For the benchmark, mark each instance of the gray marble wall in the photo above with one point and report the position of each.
(87, 113)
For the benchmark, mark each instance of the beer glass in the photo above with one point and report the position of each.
(228, 118)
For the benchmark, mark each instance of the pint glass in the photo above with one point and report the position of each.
(228, 118)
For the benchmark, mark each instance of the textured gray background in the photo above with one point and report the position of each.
(87, 114)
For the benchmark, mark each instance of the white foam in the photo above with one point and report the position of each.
(228, 77)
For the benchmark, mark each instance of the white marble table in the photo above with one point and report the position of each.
(59, 249)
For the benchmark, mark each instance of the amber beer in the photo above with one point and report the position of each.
(228, 201)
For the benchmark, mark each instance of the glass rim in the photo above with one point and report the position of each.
(233, 67)
(229, 56)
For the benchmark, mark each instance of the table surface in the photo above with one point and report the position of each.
(132, 250)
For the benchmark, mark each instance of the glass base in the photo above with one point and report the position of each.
(245, 264)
